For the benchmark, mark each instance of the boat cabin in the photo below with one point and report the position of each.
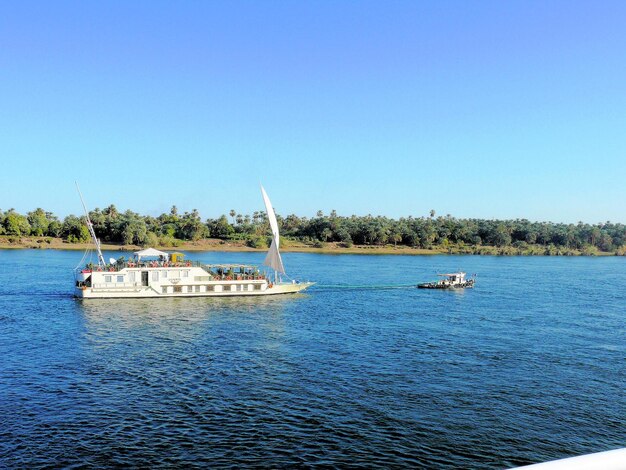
(454, 278)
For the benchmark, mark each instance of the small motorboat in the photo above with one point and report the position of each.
(451, 281)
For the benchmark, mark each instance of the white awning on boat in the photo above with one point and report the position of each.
(151, 253)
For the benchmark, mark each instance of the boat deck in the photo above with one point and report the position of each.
(215, 271)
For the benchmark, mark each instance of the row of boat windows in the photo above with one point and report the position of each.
(164, 274)
(179, 289)
(155, 276)
(210, 288)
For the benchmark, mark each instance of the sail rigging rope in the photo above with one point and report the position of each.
(364, 286)
(81, 264)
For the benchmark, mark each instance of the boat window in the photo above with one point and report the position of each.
(197, 288)
(185, 273)
(210, 288)
(164, 273)
(120, 278)
(107, 278)
(164, 289)
(131, 276)
(178, 289)
(155, 275)
(189, 288)
(257, 287)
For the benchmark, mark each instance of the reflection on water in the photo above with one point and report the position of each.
(160, 311)
(181, 318)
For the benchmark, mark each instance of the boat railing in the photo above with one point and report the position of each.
(237, 277)
(121, 285)
(118, 266)
(215, 274)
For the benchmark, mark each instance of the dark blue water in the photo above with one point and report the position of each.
(526, 367)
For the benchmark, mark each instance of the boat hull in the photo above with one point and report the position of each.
(89, 293)
(148, 292)
(436, 285)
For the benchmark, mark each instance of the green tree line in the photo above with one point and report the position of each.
(170, 229)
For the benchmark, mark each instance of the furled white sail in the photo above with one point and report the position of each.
(271, 216)
(273, 259)
(92, 233)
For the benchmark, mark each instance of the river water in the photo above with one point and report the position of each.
(361, 371)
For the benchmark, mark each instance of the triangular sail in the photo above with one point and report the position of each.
(273, 259)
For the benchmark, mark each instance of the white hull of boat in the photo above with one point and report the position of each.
(609, 460)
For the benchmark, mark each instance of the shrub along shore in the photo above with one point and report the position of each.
(321, 234)
(214, 244)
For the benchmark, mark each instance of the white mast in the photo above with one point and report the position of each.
(273, 259)
(91, 231)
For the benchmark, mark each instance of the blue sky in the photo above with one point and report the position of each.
(475, 109)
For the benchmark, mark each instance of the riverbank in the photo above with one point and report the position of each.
(294, 246)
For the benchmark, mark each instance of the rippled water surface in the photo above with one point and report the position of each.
(528, 366)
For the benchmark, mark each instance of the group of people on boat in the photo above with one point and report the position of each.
(158, 264)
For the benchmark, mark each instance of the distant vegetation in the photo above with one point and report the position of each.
(447, 233)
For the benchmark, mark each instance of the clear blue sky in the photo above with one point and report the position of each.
(504, 109)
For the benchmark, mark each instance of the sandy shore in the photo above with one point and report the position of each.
(48, 243)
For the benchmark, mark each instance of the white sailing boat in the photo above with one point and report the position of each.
(153, 273)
